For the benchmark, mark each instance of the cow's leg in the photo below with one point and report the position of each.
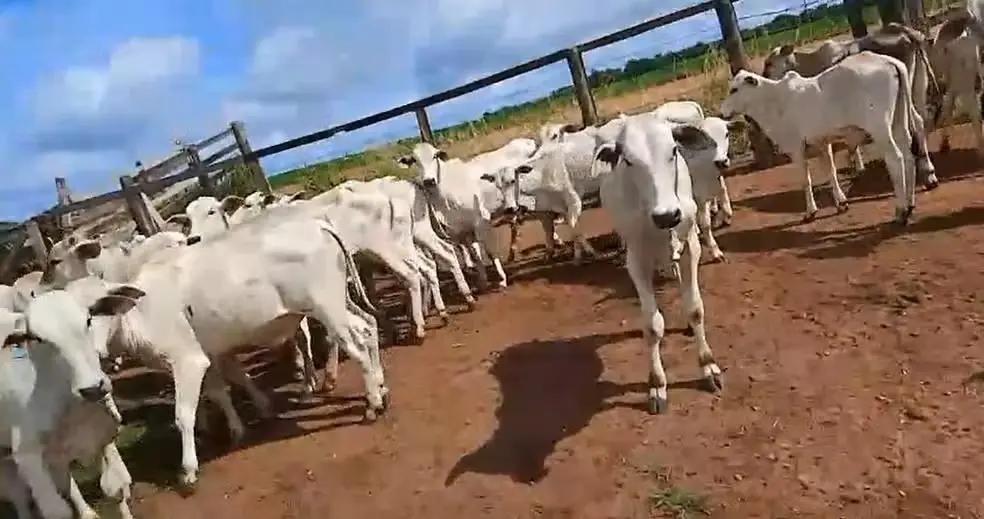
(116, 481)
(332, 311)
(366, 271)
(428, 271)
(234, 371)
(402, 263)
(549, 233)
(574, 220)
(189, 374)
(33, 470)
(946, 113)
(968, 103)
(303, 360)
(694, 307)
(723, 200)
(706, 229)
(82, 508)
(857, 159)
(15, 489)
(514, 225)
(444, 253)
(811, 203)
(839, 197)
(485, 236)
(475, 263)
(919, 147)
(895, 164)
(639, 261)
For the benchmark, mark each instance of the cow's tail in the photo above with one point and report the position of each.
(905, 109)
(352, 270)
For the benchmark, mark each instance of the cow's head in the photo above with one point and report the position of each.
(646, 155)
(207, 217)
(781, 60)
(429, 162)
(554, 132)
(58, 323)
(67, 260)
(720, 131)
(744, 93)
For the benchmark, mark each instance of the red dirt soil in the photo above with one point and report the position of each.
(849, 352)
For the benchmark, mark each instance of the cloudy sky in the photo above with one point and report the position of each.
(91, 86)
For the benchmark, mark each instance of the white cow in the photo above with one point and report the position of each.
(55, 406)
(956, 58)
(647, 194)
(544, 180)
(251, 285)
(256, 202)
(454, 192)
(207, 218)
(683, 112)
(863, 93)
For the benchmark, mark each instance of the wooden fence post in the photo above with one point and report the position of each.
(424, 125)
(762, 148)
(135, 204)
(890, 11)
(854, 11)
(239, 133)
(582, 90)
(64, 198)
(195, 164)
(36, 238)
(915, 13)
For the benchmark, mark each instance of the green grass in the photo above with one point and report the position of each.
(637, 75)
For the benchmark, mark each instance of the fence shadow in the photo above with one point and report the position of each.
(550, 391)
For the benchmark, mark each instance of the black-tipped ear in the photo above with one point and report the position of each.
(524, 169)
(269, 199)
(441, 155)
(127, 291)
(571, 128)
(750, 80)
(112, 305)
(786, 50)
(88, 250)
(693, 137)
(609, 154)
(488, 178)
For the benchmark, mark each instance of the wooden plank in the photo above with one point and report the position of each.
(221, 153)
(164, 167)
(135, 203)
(208, 141)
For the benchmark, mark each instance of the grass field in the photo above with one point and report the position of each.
(699, 76)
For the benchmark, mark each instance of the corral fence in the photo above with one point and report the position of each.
(150, 182)
(142, 198)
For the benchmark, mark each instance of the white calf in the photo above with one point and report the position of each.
(956, 57)
(647, 194)
(863, 93)
(454, 192)
(55, 406)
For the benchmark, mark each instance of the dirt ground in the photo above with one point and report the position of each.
(850, 354)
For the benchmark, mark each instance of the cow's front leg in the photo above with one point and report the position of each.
(811, 202)
(840, 199)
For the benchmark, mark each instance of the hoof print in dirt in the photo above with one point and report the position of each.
(658, 405)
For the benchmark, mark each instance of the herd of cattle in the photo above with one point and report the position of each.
(246, 272)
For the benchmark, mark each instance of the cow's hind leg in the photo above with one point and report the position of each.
(706, 229)
(487, 250)
(895, 164)
(839, 197)
(189, 372)
(811, 202)
(723, 200)
(444, 253)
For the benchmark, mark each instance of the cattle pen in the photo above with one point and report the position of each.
(850, 364)
(239, 155)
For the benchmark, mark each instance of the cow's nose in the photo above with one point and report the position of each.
(94, 393)
(194, 239)
(668, 219)
(430, 182)
(722, 163)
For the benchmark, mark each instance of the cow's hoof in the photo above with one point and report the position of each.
(658, 405)
(187, 485)
(370, 416)
(470, 303)
(809, 217)
(843, 207)
(931, 184)
(688, 331)
(713, 383)
(328, 386)
(503, 284)
(944, 146)
(386, 403)
(718, 257)
(445, 318)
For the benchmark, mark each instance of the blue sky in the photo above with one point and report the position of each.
(91, 86)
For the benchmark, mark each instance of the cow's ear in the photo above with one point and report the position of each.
(524, 169)
(269, 199)
(88, 249)
(751, 80)
(488, 178)
(692, 137)
(112, 305)
(786, 50)
(609, 153)
(127, 291)
(230, 203)
(441, 155)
